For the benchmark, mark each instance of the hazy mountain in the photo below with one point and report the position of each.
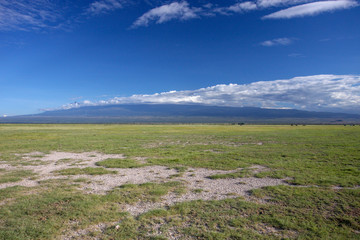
(127, 113)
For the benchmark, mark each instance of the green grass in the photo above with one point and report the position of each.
(87, 170)
(311, 155)
(197, 190)
(152, 192)
(11, 192)
(180, 169)
(47, 213)
(322, 156)
(246, 172)
(14, 176)
(69, 160)
(321, 215)
(325, 213)
(15, 160)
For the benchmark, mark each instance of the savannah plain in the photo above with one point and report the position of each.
(179, 182)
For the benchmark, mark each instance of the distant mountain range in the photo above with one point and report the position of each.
(176, 113)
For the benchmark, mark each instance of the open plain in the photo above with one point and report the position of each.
(179, 182)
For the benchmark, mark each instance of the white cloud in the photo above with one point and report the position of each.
(277, 42)
(167, 12)
(236, 8)
(183, 11)
(311, 9)
(318, 92)
(276, 3)
(104, 6)
(28, 15)
(241, 7)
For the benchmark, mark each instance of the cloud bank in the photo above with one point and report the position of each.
(339, 93)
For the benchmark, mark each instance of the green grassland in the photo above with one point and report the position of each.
(321, 164)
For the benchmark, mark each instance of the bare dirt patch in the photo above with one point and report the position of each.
(55, 161)
(84, 233)
(196, 180)
(210, 189)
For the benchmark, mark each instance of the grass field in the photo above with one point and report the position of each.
(319, 167)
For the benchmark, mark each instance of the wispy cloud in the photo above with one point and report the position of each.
(242, 7)
(28, 15)
(276, 3)
(277, 42)
(246, 6)
(104, 6)
(311, 9)
(318, 92)
(176, 10)
(183, 11)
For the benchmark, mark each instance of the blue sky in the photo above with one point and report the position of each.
(302, 54)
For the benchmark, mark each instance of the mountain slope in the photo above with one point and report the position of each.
(181, 113)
